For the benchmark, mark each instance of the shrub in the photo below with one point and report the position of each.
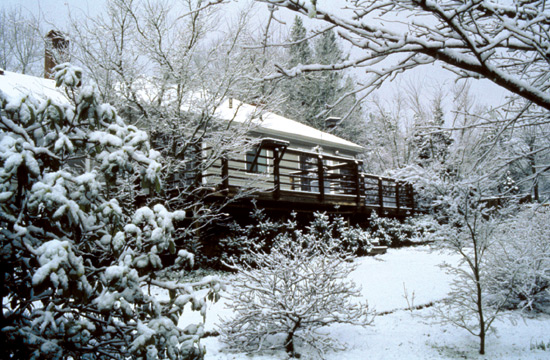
(76, 258)
(256, 237)
(261, 235)
(294, 290)
(520, 261)
(394, 233)
(352, 240)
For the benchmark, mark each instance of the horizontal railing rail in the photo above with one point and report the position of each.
(324, 177)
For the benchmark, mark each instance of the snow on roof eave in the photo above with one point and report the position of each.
(314, 141)
(16, 85)
(277, 125)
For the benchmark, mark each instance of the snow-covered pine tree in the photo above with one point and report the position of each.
(430, 140)
(298, 94)
(314, 97)
(335, 92)
(299, 49)
(77, 265)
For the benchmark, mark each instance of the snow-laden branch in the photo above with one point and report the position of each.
(507, 44)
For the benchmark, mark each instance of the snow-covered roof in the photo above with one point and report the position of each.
(279, 126)
(15, 85)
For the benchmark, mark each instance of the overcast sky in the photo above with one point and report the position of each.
(54, 13)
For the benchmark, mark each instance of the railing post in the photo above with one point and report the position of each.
(199, 163)
(321, 177)
(397, 195)
(225, 173)
(276, 174)
(411, 196)
(363, 188)
(380, 194)
(357, 183)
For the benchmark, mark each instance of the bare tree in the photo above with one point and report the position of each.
(505, 43)
(390, 129)
(294, 290)
(21, 42)
(469, 232)
(171, 68)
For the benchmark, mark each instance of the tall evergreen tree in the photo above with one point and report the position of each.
(431, 142)
(299, 51)
(298, 95)
(309, 97)
(331, 86)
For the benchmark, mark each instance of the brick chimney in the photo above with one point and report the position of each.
(56, 51)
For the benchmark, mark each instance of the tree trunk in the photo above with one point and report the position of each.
(289, 342)
(479, 302)
(482, 341)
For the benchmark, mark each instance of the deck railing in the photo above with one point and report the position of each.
(320, 177)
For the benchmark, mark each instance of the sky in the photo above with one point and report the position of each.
(54, 13)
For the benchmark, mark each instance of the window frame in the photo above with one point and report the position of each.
(261, 166)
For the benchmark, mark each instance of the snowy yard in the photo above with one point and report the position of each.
(404, 334)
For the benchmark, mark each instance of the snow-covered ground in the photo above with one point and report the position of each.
(404, 334)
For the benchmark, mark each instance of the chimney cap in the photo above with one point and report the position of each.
(53, 34)
(332, 121)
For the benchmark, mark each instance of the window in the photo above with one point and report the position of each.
(260, 166)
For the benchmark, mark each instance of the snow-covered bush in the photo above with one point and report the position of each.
(396, 233)
(388, 231)
(258, 236)
(293, 291)
(350, 239)
(520, 260)
(76, 262)
(261, 235)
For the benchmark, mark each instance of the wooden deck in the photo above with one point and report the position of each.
(282, 178)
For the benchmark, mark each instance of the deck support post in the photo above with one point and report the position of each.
(225, 173)
(410, 192)
(321, 177)
(276, 174)
(397, 204)
(357, 183)
(197, 156)
(381, 195)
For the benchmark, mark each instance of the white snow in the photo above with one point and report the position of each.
(16, 85)
(403, 334)
(53, 256)
(277, 125)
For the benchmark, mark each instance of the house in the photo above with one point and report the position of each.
(295, 166)
(291, 166)
(289, 150)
